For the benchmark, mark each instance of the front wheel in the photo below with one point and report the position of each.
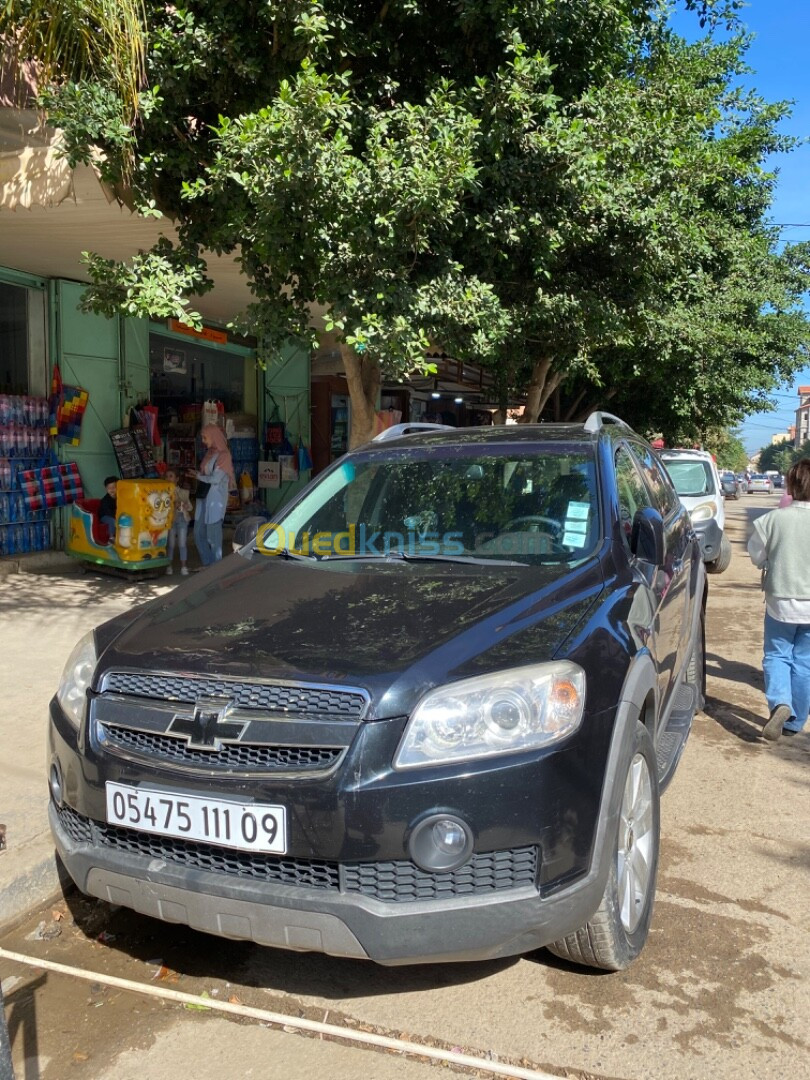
(616, 934)
(723, 560)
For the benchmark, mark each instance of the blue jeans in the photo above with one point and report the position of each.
(786, 665)
(208, 539)
(178, 534)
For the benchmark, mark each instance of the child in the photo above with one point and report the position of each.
(179, 530)
(106, 507)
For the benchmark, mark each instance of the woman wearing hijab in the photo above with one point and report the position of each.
(214, 480)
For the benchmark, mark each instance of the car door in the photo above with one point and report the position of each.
(679, 547)
(662, 636)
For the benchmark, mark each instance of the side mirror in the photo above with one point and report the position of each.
(647, 536)
(245, 532)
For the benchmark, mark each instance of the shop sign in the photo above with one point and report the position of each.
(218, 337)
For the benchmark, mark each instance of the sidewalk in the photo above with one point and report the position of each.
(47, 601)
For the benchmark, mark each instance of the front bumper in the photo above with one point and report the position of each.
(469, 928)
(709, 535)
(350, 893)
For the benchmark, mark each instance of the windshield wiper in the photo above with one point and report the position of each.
(475, 560)
(415, 556)
(285, 553)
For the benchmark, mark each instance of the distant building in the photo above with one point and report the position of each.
(784, 436)
(802, 417)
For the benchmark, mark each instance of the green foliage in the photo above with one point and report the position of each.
(782, 455)
(566, 191)
(155, 283)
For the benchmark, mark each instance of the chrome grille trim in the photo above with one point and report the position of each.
(150, 717)
(339, 703)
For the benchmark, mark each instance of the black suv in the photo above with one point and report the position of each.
(425, 715)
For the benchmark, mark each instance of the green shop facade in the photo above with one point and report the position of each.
(123, 364)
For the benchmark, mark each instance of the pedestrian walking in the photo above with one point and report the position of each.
(779, 546)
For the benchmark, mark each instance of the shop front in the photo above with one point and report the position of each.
(84, 397)
(458, 395)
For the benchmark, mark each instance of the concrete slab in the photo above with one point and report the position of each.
(46, 604)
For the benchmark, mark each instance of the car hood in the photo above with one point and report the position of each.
(393, 628)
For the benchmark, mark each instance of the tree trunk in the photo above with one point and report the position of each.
(363, 377)
(541, 387)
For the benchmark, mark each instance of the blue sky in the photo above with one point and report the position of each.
(780, 58)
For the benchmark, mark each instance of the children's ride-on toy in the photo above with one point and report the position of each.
(143, 520)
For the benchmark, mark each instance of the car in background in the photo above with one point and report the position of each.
(730, 485)
(778, 480)
(423, 715)
(742, 481)
(760, 482)
(697, 481)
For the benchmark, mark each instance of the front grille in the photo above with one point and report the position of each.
(304, 701)
(402, 881)
(391, 882)
(175, 751)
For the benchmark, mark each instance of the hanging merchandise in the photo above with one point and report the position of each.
(304, 459)
(72, 404)
(66, 407)
(289, 467)
(149, 417)
(213, 412)
(274, 435)
(269, 474)
(53, 400)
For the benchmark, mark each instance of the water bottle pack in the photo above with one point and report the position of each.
(24, 444)
(24, 537)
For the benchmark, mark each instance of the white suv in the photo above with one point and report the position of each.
(697, 481)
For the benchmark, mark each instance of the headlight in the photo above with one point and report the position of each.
(703, 512)
(76, 679)
(522, 709)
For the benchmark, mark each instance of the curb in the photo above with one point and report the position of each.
(33, 562)
(37, 884)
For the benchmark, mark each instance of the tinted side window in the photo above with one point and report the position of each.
(664, 498)
(632, 491)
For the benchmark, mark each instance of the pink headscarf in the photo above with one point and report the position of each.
(218, 449)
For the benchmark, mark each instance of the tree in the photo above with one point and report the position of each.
(545, 187)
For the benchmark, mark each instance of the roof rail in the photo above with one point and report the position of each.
(598, 420)
(398, 430)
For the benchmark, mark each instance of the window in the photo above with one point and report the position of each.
(632, 491)
(663, 494)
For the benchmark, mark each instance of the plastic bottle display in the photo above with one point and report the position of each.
(24, 445)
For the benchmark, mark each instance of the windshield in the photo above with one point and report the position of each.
(494, 504)
(691, 478)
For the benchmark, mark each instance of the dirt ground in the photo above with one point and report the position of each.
(721, 990)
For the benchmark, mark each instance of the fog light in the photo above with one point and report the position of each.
(441, 843)
(55, 784)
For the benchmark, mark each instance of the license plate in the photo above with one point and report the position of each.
(242, 826)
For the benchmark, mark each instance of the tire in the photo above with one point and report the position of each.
(616, 934)
(723, 560)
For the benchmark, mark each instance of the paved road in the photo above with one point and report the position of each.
(721, 990)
